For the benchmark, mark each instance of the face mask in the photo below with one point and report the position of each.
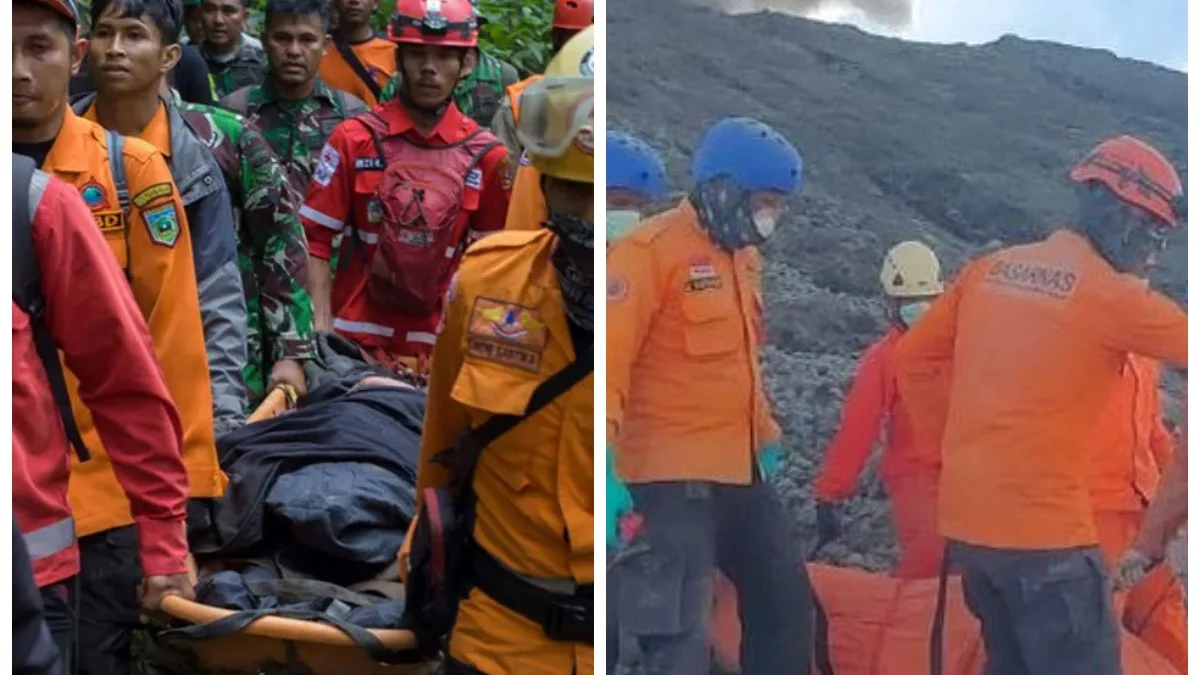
(765, 222)
(572, 260)
(620, 223)
(911, 312)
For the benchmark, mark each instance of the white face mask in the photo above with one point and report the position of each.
(912, 312)
(765, 222)
(620, 223)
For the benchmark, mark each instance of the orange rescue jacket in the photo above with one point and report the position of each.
(527, 206)
(684, 393)
(1034, 338)
(872, 401)
(504, 333)
(1131, 445)
(164, 285)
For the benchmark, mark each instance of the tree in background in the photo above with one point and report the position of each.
(517, 31)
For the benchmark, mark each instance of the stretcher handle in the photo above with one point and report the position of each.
(279, 628)
(281, 398)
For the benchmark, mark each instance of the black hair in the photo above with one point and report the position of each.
(297, 8)
(167, 15)
(64, 23)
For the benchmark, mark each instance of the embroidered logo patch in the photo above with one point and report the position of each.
(163, 224)
(474, 179)
(374, 211)
(156, 191)
(326, 166)
(93, 194)
(506, 333)
(109, 221)
(702, 276)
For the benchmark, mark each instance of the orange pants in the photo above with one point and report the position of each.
(914, 501)
(1154, 609)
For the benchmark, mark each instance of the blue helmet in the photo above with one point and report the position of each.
(755, 156)
(633, 165)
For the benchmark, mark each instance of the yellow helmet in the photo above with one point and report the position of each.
(556, 126)
(911, 270)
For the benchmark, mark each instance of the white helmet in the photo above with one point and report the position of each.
(911, 270)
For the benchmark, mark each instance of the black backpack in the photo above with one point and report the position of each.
(27, 279)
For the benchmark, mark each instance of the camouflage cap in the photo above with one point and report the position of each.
(66, 8)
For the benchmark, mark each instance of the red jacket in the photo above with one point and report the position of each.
(342, 192)
(873, 400)
(96, 324)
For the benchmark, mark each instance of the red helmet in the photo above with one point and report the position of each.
(449, 23)
(572, 14)
(1137, 174)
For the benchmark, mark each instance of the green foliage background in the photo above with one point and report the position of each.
(517, 31)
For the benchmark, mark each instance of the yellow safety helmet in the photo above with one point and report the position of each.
(556, 126)
(911, 270)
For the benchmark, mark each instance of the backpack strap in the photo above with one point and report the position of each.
(27, 291)
(350, 229)
(116, 165)
(357, 66)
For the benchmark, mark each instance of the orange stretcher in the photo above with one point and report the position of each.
(316, 648)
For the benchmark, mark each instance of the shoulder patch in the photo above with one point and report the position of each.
(109, 221)
(326, 166)
(156, 191)
(474, 179)
(94, 195)
(163, 225)
(506, 333)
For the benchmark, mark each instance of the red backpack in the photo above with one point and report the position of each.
(420, 198)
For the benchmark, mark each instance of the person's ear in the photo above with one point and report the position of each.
(468, 63)
(79, 53)
(171, 56)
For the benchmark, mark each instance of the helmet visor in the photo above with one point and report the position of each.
(557, 112)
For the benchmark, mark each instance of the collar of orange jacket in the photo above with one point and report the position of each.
(68, 154)
(157, 132)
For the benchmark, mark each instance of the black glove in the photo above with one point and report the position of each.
(829, 526)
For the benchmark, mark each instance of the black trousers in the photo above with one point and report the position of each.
(664, 594)
(109, 607)
(58, 602)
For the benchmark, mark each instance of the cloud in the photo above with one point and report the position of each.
(1153, 30)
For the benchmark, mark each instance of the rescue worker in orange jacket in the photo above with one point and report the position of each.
(911, 278)
(152, 243)
(527, 208)
(1033, 339)
(636, 178)
(570, 17)
(397, 255)
(1131, 446)
(518, 311)
(689, 427)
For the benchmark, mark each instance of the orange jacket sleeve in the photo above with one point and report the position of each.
(96, 323)
(633, 297)
(164, 284)
(1162, 444)
(1167, 511)
(862, 414)
(1148, 323)
(923, 360)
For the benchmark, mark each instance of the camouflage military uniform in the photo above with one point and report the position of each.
(480, 92)
(272, 250)
(296, 130)
(247, 66)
